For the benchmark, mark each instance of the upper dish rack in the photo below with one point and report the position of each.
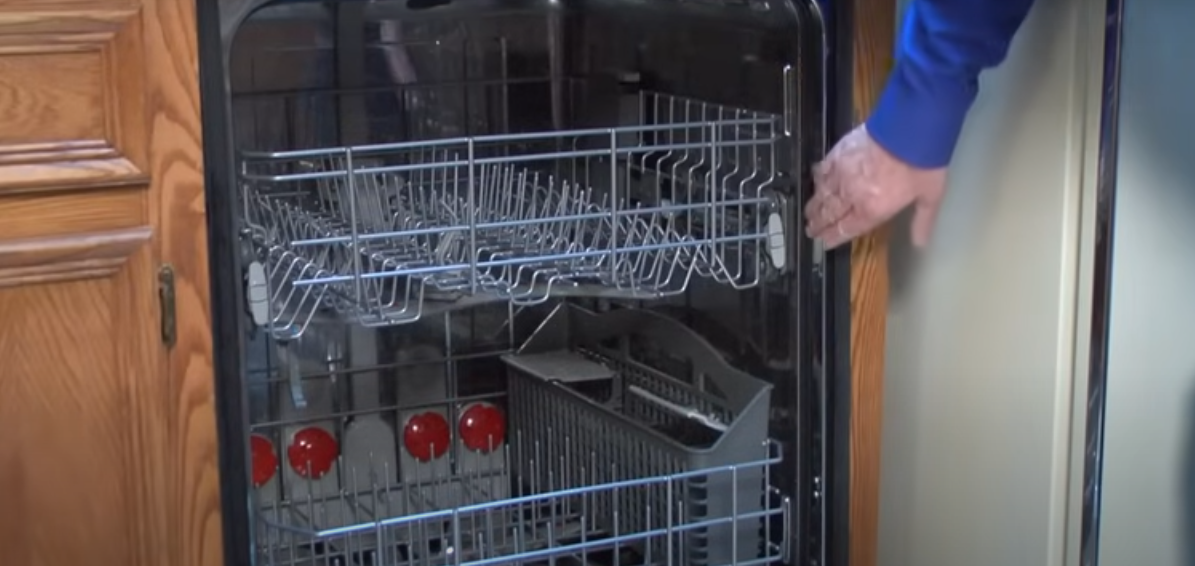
(378, 232)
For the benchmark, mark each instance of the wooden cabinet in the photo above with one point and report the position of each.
(107, 435)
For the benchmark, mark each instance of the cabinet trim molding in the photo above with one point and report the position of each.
(71, 257)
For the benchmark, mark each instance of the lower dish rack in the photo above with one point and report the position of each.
(631, 442)
(378, 233)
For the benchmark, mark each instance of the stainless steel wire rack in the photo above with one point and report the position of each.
(378, 233)
(630, 443)
(457, 520)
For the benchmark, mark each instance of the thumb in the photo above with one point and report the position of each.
(925, 214)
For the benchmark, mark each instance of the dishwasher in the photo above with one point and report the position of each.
(523, 282)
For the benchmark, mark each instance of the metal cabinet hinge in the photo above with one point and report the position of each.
(166, 303)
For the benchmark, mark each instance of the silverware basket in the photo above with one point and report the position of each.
(641, 395)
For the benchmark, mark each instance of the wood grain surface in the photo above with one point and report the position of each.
(176, 160)
(107, 439)
(875, 30)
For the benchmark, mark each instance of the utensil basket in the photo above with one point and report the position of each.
(641, 395)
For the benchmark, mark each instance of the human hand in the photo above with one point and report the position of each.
(860, 186)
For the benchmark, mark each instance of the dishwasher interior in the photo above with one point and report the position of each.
(524, 282)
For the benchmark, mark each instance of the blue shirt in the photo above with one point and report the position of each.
(942, 48)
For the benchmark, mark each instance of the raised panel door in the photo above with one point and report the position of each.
(107, 435)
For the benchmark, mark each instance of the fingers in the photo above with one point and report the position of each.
(854, 224)
(859, 186)
(821, 172)
(824, 210)
(924, 216)
(836, 219)
(822, 180)
(851, 226)
(829, 216)
(826, 206)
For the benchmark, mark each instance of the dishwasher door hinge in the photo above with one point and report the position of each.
(166, 304)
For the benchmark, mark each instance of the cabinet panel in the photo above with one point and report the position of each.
(70, 460)
(32, 215)
(73, 108)
(107, 435)
(54, 95)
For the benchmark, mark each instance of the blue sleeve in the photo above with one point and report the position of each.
(943, 46)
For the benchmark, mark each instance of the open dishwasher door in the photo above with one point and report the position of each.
(523, 282)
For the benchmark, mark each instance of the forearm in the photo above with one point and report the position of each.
(943, 47)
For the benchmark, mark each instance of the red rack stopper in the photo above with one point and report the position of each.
(426, 436)
(312, 450)
(483, 428)
(264, 460)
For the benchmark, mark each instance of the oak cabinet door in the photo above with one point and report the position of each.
(107, 435)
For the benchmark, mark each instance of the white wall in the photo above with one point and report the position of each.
(981, 336)
(1149, 472)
